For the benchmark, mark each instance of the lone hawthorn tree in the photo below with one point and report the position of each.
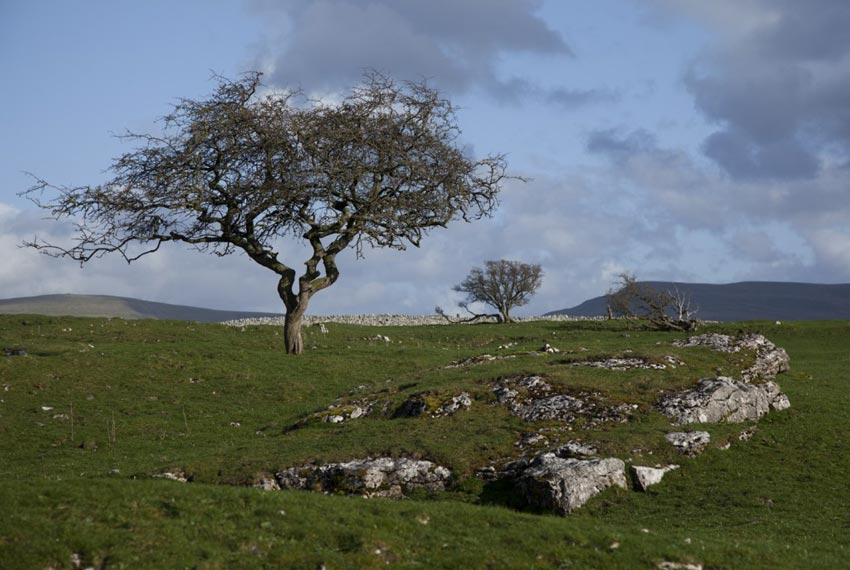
(502, 285)
(238, 171)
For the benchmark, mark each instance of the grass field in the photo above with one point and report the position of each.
(128, 399)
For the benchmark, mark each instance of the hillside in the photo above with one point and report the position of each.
(110, 306)
(97, 415)
(749, 300)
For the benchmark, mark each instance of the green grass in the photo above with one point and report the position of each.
(133, 398)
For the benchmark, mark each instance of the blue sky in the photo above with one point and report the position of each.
(676, 139)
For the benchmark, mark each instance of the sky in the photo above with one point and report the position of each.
(676, 140)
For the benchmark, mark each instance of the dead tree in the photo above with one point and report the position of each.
(636, 300)
(238, 171)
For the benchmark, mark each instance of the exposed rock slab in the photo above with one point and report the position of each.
(533, 399)
(770, 359)
(476, 360)
(621, 364)
(433, 405)
(689, 442)
(645, 477)
(722, 399)
(562, 485)
(370, 477)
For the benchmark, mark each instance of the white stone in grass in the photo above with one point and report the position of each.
(647, 476)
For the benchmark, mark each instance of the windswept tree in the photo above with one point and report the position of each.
(239, 170)
(503, 285)
(665, 310)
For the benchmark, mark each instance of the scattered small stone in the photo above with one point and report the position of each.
(488, 473)
(576, 449)
(647, 476)
(506, 346)
(549, 349)
(235, 424)
(689, 443)
(476, 360)
(380, 338)
(621, 364)
(529, 439)
(173, 475)
(667, 565)
(46, 408)
(14, 352)
(267, 484)
(747, 434)
(423, 518)
(338, 413)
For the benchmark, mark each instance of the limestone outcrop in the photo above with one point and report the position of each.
(370, 477)
(721, 399)
(770, 359)
(434, 406)
(533, 399)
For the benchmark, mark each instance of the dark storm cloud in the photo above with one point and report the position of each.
(779, 91)
(457, 44)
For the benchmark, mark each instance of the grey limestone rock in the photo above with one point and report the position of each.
(770, 359)
(433, 405)
(647, 476)
(722, 399)
(370, 477)
(620, 364)
(533, 399)
(690, 442)
(562, 485)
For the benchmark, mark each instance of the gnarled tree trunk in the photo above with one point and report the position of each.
(292, 333)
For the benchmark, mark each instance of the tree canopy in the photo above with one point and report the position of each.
(240, 169)
(503, 285)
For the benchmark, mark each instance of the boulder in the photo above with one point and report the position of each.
(370, 477)
(560, 485)
(722, 399)
(690, 442)
(647, 476)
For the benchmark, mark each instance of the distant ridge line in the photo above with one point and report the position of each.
(73, 305)
(748, 300)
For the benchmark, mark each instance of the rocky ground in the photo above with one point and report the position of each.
(550, 476)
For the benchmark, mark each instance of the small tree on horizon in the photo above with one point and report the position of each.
(665, 310)
(503, 285)
(238, 171)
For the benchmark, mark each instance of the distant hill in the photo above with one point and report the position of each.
(109, 306)
(749, 300)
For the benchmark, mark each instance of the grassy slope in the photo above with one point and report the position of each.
(150, 395)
